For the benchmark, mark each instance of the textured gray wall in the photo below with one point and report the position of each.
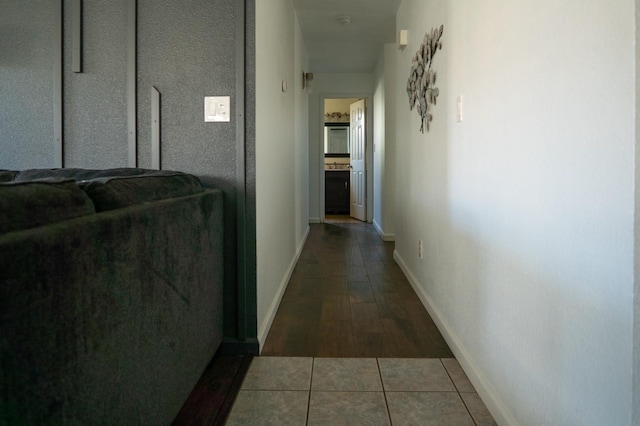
(186, 49)
(26, 84)
(95, 108)
(250, 161)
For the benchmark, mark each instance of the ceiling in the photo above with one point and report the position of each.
(347, 48)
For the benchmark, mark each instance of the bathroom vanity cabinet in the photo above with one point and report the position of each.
(336, 192)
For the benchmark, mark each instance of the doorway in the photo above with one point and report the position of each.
(344, 170)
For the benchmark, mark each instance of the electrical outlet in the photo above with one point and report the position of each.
(420, 249)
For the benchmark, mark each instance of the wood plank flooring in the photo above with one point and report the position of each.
(348, 298)
(213, 396)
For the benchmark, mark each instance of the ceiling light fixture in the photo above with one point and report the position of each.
(344, 19)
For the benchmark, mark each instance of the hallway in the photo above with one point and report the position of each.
(351, 343)
(348, 298)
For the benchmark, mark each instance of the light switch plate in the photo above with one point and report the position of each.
(403, 38)
(217, 108)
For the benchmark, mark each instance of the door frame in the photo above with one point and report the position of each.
(368, 148)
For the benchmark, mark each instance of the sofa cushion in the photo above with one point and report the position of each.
(25, 205)
(117, 192)
(78, 174)
(7, 175)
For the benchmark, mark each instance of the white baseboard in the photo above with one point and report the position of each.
(314, 220)
(494, 403)
(385, 237)
(273, 309)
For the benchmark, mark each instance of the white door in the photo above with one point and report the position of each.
(358, 172)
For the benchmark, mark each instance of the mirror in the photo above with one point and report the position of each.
(336, 138)
(336, 126)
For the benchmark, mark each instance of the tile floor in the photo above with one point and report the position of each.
(357, 391)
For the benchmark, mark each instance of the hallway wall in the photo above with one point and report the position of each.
(636, 309)
(384, 149)
(281, 153)
(526, 208)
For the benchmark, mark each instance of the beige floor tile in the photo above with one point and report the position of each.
(478, 410)
(346, 374)
(279, 373)
(428, 409)
(266, 408)
(414, 374)
(347, 408)
(457, 374)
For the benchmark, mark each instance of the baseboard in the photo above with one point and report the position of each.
(385, 237)
(314, 220)
(263, 331)
(494, 403)
(232, 346)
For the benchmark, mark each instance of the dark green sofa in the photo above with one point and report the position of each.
(110, 294)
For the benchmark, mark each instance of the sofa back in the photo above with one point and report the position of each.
(37, 197)
(25, 205)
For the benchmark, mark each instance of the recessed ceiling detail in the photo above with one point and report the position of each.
(348, 48)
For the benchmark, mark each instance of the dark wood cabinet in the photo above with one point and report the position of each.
(336, 192)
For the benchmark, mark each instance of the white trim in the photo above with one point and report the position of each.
(263, 332)
(385, 237)
(314, 220)
(496, 406)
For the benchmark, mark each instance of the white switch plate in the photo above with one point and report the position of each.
(403, 38)
(460, 104)
(217, 108)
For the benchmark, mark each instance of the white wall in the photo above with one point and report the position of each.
(384, 144)
(342, 105)
(378, 141)
(636, 309)
(281, 153)
(301, 142)
(526, 208)
(334, 86)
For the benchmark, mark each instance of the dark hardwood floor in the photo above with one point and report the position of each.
(347, 297)
(211, 400)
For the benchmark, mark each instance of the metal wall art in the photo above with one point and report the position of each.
(421, 86)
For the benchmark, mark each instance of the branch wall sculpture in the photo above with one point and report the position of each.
(421, 85)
